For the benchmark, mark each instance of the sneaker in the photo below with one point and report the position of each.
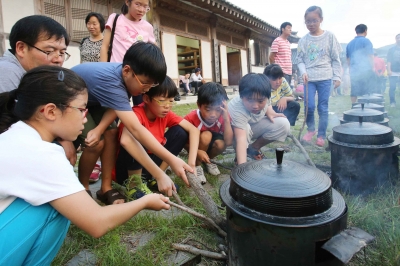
(200, 174)
(393, 105)
(307, 137)
(95, 175)
(138, 192)
(168, 171)
(212, 169)
(320, 142)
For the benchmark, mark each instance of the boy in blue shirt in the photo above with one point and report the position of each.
(109, 86)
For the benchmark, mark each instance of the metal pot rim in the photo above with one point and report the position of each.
(395, 142)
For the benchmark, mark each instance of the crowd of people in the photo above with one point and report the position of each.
(48, 113)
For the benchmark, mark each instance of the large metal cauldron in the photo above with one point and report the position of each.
(371, 106)
(281, 213)
(363, 157)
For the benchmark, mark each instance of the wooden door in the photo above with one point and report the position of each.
(234, 68)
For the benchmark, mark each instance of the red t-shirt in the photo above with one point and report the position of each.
(195, 119)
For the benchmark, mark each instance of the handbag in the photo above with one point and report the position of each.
(109, 52)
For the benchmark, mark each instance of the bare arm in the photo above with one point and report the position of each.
(70, 151)
(96, 220)
(194, 137)
(104, 46)
(140, 133)
(241, 145)
(228, 132)
(272, 56)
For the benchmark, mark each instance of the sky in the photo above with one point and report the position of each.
(382, 17)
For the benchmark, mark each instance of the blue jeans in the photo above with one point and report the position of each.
(30, 235)
(393, 81)
(323, 88)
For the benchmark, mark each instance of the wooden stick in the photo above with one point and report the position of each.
(208, 203)
(177, 198)
(220, 164)
(199, 215)
(303, 151)
(197, 251)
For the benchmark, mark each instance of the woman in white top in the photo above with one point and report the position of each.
(39, 192)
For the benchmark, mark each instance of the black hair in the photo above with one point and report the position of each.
(30, 29)
(361, 28)
(284, 24)
(99, 17)
(211, 93)
(253, 83)
(274, 71)
(197, 69)
(146, 59)
(125, 8)
(312, 9)
(39, 86)
(166, 89)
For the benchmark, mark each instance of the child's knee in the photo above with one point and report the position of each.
(219, 146)
(205, 137)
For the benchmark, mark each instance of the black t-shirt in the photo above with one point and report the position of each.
(394, 58)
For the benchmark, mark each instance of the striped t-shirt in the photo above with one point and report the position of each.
(283, 91)
(283, 55)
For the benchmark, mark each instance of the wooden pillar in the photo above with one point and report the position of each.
(154, 19)
(215, 48)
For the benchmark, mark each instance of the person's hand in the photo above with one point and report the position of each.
(92, 138)
(282, 104)
(179, 167)
(274, 114)
(336, 84)
(305, 78)
(225, 114)
(156, 202)
(70, 151)
(203, 156)
(165, 184)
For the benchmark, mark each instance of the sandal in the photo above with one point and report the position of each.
(110, 196)
(255, 154)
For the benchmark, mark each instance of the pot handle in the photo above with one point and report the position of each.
(279, 155)
(360, 119)
(362, 106)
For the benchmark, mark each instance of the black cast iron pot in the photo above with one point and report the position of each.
(367, 115)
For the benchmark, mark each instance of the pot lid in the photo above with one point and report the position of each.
(369, 99)
(368, 115)
(363, 134)
(375, 95)
(374, 106)
(281, 187)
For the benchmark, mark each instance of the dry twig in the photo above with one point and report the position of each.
(303, 151)
(199, 215)
(197, 251)
(177, 198)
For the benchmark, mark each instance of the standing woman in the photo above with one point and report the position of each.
(318, 60)
(39, 192)
(90, 46)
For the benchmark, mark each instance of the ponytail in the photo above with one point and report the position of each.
(7, 103)
(125, 8)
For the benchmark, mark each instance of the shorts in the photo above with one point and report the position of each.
(215, 136)
(94, 116)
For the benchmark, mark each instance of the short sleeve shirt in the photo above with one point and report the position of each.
(240, 117)
(105, 85)
(90, 51)
(128, 32)
(394, 58)
(34, 170)
(283, 91)
(195, 119)
(360, 51)
(11, 72)
(283, 56)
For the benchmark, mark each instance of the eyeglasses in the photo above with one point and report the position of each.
(310, 22)
(139, 6)
(52, 54)
(83, 111)
(144, 84)
(164, 103)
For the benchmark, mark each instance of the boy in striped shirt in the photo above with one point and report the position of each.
(281, 53)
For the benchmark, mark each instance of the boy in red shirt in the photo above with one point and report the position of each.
(156, 116)
(213, 121)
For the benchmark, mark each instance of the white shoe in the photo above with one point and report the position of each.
(168, 171)
(200, 174)
(393, 105)
(212, 169)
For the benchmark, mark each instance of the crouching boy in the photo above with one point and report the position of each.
(212, 119)
(252, 117)
(156, 116)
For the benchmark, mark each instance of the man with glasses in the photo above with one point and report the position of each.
(35, 41)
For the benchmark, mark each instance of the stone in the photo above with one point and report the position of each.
(83, 258)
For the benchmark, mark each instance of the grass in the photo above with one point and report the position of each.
(378, 214)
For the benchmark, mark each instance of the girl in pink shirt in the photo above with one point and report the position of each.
(129, 29)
